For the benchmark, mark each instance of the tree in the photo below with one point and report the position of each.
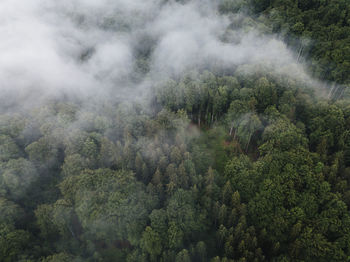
(73, 165)
(110, 205)
(183, 256)
(236, 111)
(248, 125)
(45, 220)
(265, 94)
(17, 175)
(44, 153)
(201, 251)
(151, 243)
(61, 257)
(8, 148)
(10, 212)
(12, 242)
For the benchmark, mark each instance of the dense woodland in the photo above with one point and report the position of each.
(215, 166)
(318, 31)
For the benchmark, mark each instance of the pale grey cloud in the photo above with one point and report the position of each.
(86, 47)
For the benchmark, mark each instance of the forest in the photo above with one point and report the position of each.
(239, 154)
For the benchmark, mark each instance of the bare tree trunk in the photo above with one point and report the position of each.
(247, 145)
(332, 90)
(300, 52)
(341, 94)
(71, 231)
(231, 129)
(207, 114)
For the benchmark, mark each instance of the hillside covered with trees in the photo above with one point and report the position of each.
(216, 164)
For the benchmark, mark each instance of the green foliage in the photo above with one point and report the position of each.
(16, 176)
(12, 242)
(151, 243)
(61, 257)
(10, 212)
(221, 166)
(319, 30)
(110, 205)
(8, 148)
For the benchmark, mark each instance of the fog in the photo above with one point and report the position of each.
(87, 48)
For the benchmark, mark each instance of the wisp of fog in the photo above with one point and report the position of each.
(96, 48)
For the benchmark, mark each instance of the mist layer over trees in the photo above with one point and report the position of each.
(165, 130)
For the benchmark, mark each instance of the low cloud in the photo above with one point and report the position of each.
(88, 48)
